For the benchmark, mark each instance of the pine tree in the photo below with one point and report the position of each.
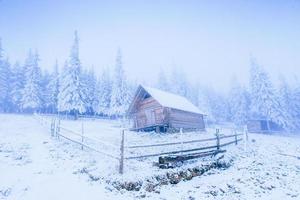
(239, 104)
(179, 83)
(31, 95)
(218, 106)
(204, 105)
(285, 101)
(64, 96)
(45, 95)
(162, 82)
(120, 96)
(254, 83)
(193, 93)
(89, 90)
(264, 101)
(17, 82)
(295, 105)
(103, 93)
(53, 90)
(71, 96)
(5, 86)
(4, 82)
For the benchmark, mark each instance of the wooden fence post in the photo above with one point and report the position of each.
(235, 136)
(55, 128)
(58, 129)
(52, 127)
(82, 133)
(121, 166)
(218, 138)
(181, 140)
(245, 138)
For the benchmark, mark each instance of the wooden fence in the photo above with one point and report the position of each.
(58, 131)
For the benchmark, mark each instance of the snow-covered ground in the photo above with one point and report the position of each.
(34, 165)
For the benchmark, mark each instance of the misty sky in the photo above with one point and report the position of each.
(210, 40)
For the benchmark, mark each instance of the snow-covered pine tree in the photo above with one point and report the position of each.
(120, 95)
(3, 81)
(239, 103)
(254, 85)
(264, 102)
(64, 96)
(53, 90)
(217, 106)
(131, 87)
(71, 96)
(193, 93)
(204, 104)
(17, 82)
(88, 89)
(31, 95)
(285, 101)
(162, 82)
(5, 85)
(97, 93)
(295, 105)
(103, 93)
(179, 83)
(45, 100)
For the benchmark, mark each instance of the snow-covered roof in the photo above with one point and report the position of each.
(171, 100)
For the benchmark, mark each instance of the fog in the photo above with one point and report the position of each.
(210, 41)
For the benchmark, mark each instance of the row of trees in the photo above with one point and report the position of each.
(260, 99)
(74, 89)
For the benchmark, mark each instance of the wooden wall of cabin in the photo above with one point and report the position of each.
(148, 113)
(263, 126)
(184, 119)
(254, 126)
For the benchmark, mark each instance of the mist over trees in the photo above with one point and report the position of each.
(74, 89)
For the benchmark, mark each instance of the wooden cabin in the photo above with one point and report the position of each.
(154, 109)
(262, 126)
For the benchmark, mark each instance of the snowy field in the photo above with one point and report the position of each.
(34, 165)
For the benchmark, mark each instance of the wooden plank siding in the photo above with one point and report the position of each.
(263, 126)
(183, 119)
(167, 117)
(254, 126)
(149, 113)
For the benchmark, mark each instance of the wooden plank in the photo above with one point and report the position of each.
(172, 152)
(184, 119)
(228, 143)
(148, 103)
(171, 143)
(91, 148)
(85, 137)
(185, 115)
(182, 112)
(121, 167)
(186, 125)
(149, 112)
(169, 159)
(229, 136)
